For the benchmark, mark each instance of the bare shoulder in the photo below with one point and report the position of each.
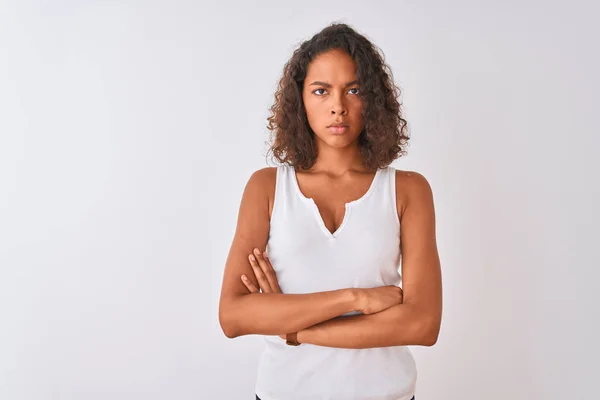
(411, 186)
(263, 181)
(265, 173)
(411, 180)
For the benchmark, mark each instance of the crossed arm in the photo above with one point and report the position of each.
(400, 325)
(317, 316)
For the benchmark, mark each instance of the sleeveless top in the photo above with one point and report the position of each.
(364, 252)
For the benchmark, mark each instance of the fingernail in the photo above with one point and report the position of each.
(252, 257)
(244, 277)
(265, 255)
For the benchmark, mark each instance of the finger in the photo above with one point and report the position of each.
(260, 276)
(268, 270)
(274, 281)
(249, 284)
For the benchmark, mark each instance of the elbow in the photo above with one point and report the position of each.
(227, 321)
(228, 329)
(429, 340)
(430, 333)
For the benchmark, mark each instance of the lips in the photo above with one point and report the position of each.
(337, 129)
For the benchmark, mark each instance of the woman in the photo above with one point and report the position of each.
(314, 261)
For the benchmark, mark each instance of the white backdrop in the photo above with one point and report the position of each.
(129, 129)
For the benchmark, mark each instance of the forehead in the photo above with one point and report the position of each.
(333, 66)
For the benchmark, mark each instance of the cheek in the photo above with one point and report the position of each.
(314, 110)
(357, 105)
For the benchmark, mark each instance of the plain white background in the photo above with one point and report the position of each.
(127, 133)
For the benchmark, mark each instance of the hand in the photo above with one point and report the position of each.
(374, 300)
(264, 273)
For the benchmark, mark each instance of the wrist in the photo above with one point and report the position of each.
(302, 336)
(358, 299)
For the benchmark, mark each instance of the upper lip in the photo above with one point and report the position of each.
(338, 124)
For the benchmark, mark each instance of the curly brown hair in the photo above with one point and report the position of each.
(385, 135)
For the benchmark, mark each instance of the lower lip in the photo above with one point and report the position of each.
(338, 130)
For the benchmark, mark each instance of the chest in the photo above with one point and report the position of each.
(331, 198)
(363, 252)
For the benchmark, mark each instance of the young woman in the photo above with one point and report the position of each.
(314, 263)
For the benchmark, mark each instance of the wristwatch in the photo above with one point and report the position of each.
(292, 339)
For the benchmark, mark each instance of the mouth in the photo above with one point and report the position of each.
(338, 129)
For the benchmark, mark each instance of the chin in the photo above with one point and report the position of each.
(345, 137)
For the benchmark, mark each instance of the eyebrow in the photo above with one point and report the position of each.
(329, 85)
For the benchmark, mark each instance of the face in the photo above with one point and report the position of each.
(331, 95)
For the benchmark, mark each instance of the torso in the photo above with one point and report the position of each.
(364, 251)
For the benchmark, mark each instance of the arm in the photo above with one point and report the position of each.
(400, 325)
(242, 312)
(417, 320)
(278, 313)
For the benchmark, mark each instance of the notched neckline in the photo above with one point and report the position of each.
(347, 206)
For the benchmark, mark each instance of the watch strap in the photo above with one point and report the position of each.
(292, 339)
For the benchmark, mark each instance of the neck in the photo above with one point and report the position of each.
(338, 161)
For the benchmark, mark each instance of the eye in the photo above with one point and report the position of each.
(318, 94)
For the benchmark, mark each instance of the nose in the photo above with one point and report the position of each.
(338, 106)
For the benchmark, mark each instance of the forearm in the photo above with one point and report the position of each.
(400, 325)
(278, 313)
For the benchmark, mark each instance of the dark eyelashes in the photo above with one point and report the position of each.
(314, 91)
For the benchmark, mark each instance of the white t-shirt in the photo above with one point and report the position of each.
(364, 252)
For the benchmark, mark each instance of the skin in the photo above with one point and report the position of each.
(339, 176)
(330, 95)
